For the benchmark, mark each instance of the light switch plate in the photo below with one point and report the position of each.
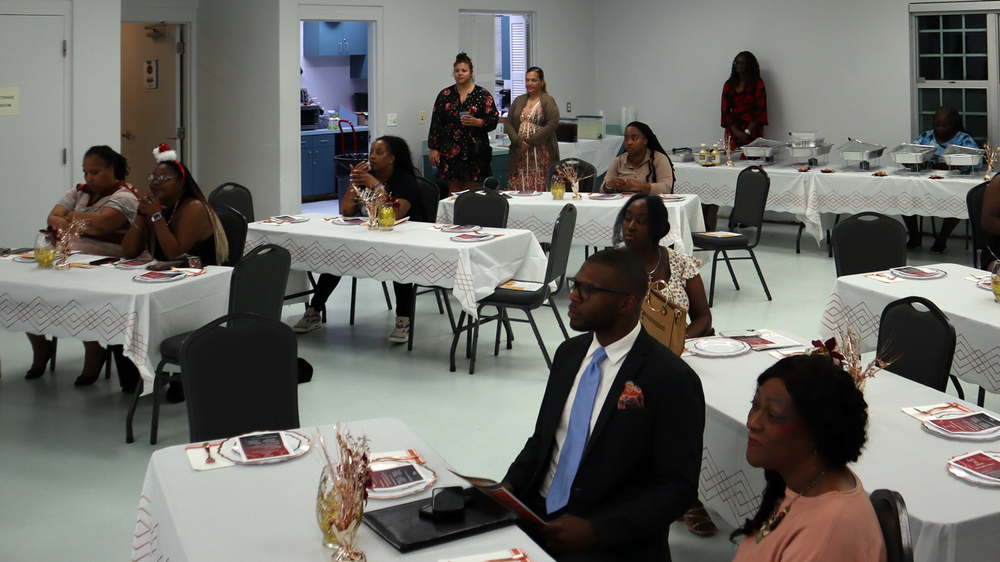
(391, 120)
(423, 118)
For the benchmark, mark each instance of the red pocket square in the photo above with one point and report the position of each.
(631, 397)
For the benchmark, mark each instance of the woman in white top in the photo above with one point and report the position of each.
(644, 166)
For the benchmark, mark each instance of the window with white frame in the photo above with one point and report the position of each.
(955, 63)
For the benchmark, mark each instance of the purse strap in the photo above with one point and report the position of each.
(658, 288)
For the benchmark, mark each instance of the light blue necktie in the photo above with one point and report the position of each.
(576, 434)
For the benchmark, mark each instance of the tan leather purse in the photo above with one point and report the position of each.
(663, 319)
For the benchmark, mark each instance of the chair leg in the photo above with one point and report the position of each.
(455, 338)
(559, 320)
(711, 284)
(385, 291)
(982, 397)
(107, 363)
(759, 273)
(354, 293)
(437, 297)
(725, 256)
(958, 387)
(538, 336)
(52, 360)
(155, 423)
(496, 344)
(475, 340)
(510, 332)
(798, 238)
(413, 317)
(447, 306)
(129, 435)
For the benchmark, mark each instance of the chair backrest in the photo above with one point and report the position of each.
(234, 224)
(920, 343)
(752, 187)
(890, 509)
(429, 193)
(974, 204)
(240, 375)
(491, 183)
(233, 195)
(259, 280)
(562, 240)
(868, 242)
(583, 169)
(481, 207)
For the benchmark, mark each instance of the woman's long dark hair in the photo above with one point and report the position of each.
(111, 158)
(191, 189)
(835, 415)
(753, 71)
(401, 151)
(658, 222)
(653, 144)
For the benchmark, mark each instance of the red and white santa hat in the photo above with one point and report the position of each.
(164, 153)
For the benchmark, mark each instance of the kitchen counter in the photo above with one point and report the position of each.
(357, 129)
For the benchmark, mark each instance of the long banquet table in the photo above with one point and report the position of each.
(412, 252)
(104, 304)
(950, 520)
(812, 194)
(268, 512)
(595, 218)
(857, 301)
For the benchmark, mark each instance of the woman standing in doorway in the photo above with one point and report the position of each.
(531, 126)
(463, 115)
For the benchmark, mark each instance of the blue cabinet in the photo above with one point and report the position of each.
(318, 167)
(334, 38)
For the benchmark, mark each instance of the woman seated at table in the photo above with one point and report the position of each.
(390, 163)
(948, 130)
(108, 204)
(641, 224)
(644, 166)
(175, 220)
(807, 421)
(991, 224)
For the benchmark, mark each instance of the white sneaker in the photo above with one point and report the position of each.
(402, 332)
(310, 321)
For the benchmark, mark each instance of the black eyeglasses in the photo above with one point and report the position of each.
(587, 289)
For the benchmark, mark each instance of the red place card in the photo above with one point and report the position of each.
(262, 446)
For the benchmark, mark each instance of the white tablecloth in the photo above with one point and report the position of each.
(599, 152)
(950, 520)
(412, 252)
(268, 512)
(595, 219)
(858, 301)
(104, 304)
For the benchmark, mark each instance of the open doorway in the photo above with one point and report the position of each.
(152, 94)
(500, 42)
(335, 88)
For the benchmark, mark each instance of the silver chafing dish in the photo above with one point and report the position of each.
(956, 155)
(763, 148)
(808, 139)
(907, 153)
(862, 152)
(810, 155)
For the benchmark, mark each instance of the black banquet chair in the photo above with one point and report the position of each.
(974, 203)
(752, 187)
(239, 373)
(503, 299)
(234, 224)
(890, 509)
(583, 168)
(868, 242)
(233, 195)
(257, 286)
(919, 343)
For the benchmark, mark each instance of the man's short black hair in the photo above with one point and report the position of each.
(631, 275)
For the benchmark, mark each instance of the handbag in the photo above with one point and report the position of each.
(664, 320)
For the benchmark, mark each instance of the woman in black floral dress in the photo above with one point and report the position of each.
(463, 115)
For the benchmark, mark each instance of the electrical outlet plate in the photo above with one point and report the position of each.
(391, 120)
(569, 107)
(423, 118)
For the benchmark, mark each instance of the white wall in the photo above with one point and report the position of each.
(838, 67)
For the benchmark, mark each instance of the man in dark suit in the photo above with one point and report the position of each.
(611, 471)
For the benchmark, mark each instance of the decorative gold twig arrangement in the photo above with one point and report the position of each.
(372, 198)
(342, 507)
(568, 173)
(991, 159)
(848, 356)
(726, 142)
(67, 237)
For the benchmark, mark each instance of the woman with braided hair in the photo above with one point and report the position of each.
(644, 166)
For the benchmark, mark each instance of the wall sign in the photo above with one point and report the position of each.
(151, 74)
(8, 101)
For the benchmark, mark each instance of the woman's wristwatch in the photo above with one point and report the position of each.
(156, 216)
(747, 131)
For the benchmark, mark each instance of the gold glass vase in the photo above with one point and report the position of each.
(386, 217)
(327, 515)
(558, 190)
(45, 251)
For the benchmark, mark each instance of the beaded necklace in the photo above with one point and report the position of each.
(779, 514)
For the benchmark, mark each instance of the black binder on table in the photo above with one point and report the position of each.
(402, 527)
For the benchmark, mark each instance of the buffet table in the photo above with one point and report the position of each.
(857, 301)
(413, 252)
(268, 512)
(104, 304)
(950, 519)
(595, 218)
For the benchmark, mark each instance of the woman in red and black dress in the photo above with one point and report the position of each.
(463, 115)
(744, 101)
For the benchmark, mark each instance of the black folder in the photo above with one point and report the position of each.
(402, 527)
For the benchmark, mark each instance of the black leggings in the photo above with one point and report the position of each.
(328, 282)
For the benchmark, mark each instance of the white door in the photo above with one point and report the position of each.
(33, 143)
(149, 102)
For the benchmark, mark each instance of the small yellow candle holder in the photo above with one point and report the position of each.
(386, 218)
(558, 190)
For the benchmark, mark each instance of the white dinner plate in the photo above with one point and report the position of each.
(348, 221)
(606, 196)
(285, 219)
(159, 276)
(296, 444)
(134, 264)
(913, 272)
(964, 474)
(526, 193)
(717, 347)
(985, 284)
(25, 259)
(428, 477)
(473, 237)
(458, 228)
(987, 436)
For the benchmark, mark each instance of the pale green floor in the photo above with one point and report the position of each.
(69, 484)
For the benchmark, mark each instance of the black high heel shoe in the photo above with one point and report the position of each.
(84, 380)
(37, 372)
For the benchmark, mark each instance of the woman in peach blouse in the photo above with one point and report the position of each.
(807, 422)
